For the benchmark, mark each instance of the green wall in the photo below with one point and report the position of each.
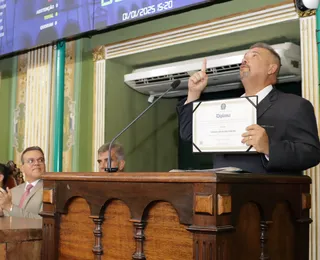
(5, 105)
(150, 144)
(85, 114)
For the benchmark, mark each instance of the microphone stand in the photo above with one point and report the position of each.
(174, 85)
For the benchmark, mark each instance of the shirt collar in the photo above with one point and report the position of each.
(33, 184)
(262, 93)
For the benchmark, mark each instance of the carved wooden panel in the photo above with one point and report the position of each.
(3, 251)
(224, 204)
(139, 237)
(246, 239)
(47, 233)
(264, 228)
(30, 249)
(48, 196)
(118, 232)
(76, 232)
(306, 200)
(281, 234)
(204, 204)
(203, 248)
(165, 237)
(97, 248)
(157, 220)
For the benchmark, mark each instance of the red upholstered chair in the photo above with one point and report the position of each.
(11, 182)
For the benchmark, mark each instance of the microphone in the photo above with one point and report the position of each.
(173, 85)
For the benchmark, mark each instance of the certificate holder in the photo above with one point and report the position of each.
(217, 125)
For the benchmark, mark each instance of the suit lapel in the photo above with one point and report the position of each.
(34, 190)
(267, 102)
(18, 194)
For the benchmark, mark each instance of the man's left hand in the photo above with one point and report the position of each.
(257, 137)
(5, 199)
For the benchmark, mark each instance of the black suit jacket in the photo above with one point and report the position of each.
(293, 139)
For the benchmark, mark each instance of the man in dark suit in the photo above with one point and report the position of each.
(286, 136)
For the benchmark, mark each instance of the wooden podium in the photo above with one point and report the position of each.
(20, 238)
(178, 216)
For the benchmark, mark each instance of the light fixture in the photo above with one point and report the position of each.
(304, 5)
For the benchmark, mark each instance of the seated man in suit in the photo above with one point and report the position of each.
(289, 145)
(117, 157)
(25, 200)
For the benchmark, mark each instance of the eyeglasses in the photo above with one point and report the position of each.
(32, 161)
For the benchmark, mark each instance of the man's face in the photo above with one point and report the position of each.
(115, 163)
(33, 165)
(256, 64)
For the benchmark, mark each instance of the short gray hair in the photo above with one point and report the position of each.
(268, 47)
(116, 146)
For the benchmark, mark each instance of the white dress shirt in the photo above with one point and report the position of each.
(261, 95)
(33, 184)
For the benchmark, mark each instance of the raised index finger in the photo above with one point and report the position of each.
(204, 65)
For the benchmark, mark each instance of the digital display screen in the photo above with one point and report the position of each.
(43, 21)
(111, 12)
(6, 26)
(25, 24)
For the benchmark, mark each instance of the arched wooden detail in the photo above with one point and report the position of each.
(162, 221)
(76, 226)
(117, 222)
(139, 220)
(281, 233)
(248, 223)
(111, 202)
(153, 204)
(71, 200)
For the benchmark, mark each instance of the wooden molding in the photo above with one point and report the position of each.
(267, 15)
(211, 229)
(169, 177)
(204, 204)
(224, 204)
(48, 196)
(98, 53)
(306, 13)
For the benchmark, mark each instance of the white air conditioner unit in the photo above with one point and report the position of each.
(222, 70)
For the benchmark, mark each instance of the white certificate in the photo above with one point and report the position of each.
(219, 124)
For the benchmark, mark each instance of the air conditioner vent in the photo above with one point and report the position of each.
(222, 71)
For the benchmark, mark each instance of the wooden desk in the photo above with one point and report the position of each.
(175, 216)
(20, 238)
